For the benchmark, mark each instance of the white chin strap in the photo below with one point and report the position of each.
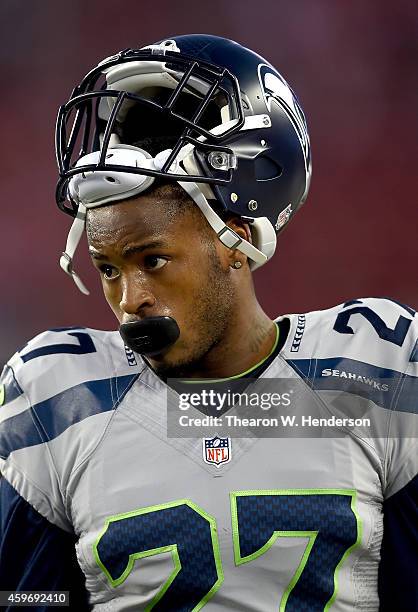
(73, 238)
(93, 189)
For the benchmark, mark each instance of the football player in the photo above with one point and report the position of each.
(182, 161)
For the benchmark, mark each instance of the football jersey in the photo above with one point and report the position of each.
(292, 523)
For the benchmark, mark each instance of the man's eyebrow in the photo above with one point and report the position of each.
(130, 250)
(154, 244)
(96, 254)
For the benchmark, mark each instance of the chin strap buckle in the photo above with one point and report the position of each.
(229, 237)
(66, 263)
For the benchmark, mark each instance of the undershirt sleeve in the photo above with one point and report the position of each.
(36, 555)
(398, 569)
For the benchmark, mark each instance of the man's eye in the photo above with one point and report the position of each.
(154, 262)
(109, 272)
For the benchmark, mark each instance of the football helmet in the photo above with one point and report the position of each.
(197, 109)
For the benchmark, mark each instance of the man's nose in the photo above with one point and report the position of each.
(136, 296)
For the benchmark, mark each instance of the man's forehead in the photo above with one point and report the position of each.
(139, 219)
(143, 217)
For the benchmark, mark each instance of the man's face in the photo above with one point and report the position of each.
(157, 264)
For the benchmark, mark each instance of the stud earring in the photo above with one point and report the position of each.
(237, 265)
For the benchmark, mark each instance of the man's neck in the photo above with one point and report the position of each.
(249, 339)
(245, 346)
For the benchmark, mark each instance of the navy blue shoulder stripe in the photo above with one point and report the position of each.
(11, 387)
(50, 418)
(386, 388)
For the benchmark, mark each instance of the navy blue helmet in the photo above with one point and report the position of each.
(197, 109)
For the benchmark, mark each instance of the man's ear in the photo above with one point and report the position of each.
(242, 228)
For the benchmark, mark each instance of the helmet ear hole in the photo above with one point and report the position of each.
(266, 169)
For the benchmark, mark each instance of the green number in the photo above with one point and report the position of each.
(326, 516)
(181, 528)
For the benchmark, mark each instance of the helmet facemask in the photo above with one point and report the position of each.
(185, 98)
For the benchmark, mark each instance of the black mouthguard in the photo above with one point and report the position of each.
(151, 335)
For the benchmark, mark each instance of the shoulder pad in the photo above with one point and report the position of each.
(58, 379)
(59, 359)
(378, 331)
(365, 346)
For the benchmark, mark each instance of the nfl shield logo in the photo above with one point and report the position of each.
(217, 450)
(283, 217)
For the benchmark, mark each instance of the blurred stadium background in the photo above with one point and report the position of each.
(352, 64)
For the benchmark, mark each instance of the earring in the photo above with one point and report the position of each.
(237, 265)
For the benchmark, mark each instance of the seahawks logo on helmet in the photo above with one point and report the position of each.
(276, 90)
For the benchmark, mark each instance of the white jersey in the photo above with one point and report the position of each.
(288, 523)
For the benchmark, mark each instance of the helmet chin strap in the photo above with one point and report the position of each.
(100, 195)
(226, 235)
(73, 239)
